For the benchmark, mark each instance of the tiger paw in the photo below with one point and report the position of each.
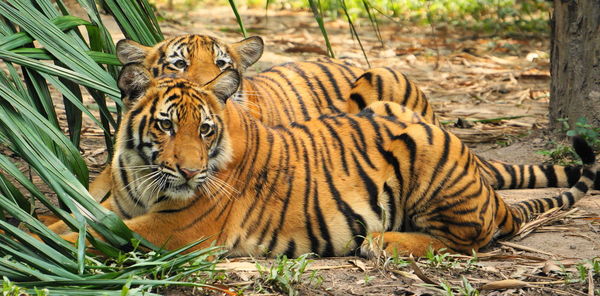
(389, 244)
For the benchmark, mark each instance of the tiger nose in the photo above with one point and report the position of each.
(189, 173)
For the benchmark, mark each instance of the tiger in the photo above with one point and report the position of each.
(298, 91)
(190, 162)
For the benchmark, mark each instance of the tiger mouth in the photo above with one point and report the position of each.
(185, 188)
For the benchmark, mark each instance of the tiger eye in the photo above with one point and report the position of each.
(220, 63)
(205, 128)
(180, 64)
(165, 124)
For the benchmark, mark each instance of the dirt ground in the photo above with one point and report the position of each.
(465, 76)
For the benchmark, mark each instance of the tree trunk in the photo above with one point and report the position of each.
(575, 62)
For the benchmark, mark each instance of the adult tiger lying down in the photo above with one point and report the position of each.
(189, 163)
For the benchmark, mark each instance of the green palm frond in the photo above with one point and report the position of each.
(45, 51)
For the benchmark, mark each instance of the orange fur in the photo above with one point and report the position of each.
(318, 186)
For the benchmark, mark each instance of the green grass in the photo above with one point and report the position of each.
(564, 154)
(285, 275)
(54, 55)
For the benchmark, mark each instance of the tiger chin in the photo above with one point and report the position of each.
(319, 186)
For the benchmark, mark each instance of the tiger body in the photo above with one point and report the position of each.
(299, 91)
(197, 165)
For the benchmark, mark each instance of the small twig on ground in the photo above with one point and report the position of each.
(544, 219)
(590, 283)
(528, 249)
(404, 274)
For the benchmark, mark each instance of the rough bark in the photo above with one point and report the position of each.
(575, 62)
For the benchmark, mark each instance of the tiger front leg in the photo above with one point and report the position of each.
(162, 230)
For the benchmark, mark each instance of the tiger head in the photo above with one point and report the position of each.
(175, 129)
(200, 58)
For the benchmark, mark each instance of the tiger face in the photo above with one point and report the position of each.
(176, 130)
(199, 58)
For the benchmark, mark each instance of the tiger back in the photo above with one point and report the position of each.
(319, 186)
(295, 91)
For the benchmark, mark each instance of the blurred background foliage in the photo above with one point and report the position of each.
(488, 16)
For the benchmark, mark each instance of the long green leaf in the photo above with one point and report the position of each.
(353, 30)
(238, 17)
(42, 264)
(64, 23)
(80, 78)
(66, 48)
(316, 10)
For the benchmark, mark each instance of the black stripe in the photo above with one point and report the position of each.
(550, 175)
(324, 229)
(276, 104)
(367, 76)
(582, 187)
(284, 210)
(391, 205)
(370, 186)
(570, 198)
(273, 181)
(408, 90)
(314, 241)
(411, 145)
(341, 146)
(513, 176)
(263, 233)
(531, 177)
(587, 173)
(353, 220)
(261, 180)
(393, 161)
(539, 205)
(332, 80)
(125, 179)
(327, 96)
(299, 99)
(559, 202)
(310, 86)
(393, 73)
(527, 204)
(198, 219)
(550, 201)
(499, 178)
(522, 175)
(290, 252)
(129, 127)
(379, 83)
(359, 100)
(429, 132)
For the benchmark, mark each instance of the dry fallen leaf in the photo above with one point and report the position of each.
(359, 263)
(550, 267)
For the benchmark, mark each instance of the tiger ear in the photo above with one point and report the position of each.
(133, 82)
(129, 51)
(224, 85)
(249, 50)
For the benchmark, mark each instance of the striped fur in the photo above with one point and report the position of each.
(301, 90)
(318, 186)
(295, 91)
